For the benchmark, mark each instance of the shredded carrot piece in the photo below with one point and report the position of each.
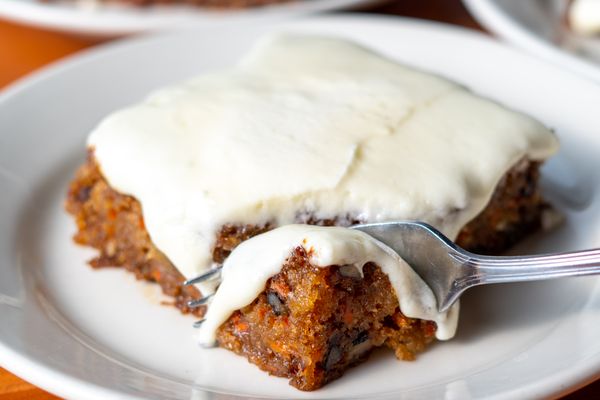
(348, 316)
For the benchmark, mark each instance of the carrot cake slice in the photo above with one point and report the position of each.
(313, 131)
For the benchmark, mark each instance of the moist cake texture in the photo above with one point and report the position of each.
(310, 323)
(307, 130)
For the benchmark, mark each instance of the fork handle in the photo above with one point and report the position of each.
(485, 269)
(482, 270)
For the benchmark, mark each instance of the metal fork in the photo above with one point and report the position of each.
(450, 270)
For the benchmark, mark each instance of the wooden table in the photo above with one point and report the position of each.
(24, 49)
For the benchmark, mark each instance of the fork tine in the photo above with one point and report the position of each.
(201, 301)
(199, 323)
(203, 277)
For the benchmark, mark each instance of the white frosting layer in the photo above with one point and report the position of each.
(308, 124)
(584, 16)
(317, 126)
(253, 262)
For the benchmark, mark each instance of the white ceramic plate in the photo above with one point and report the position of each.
(83, 333)
(538, 26)
(113, 20)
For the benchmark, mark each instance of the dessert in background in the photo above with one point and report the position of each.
(193, 3)
(584, 17)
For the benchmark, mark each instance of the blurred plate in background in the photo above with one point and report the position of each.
(539, 27)
(114, 20)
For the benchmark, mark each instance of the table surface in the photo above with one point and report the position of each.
(24, 49)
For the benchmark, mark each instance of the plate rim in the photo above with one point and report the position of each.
(51, 379)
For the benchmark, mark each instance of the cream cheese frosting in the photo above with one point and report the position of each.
(254, 261)
(309, 125)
